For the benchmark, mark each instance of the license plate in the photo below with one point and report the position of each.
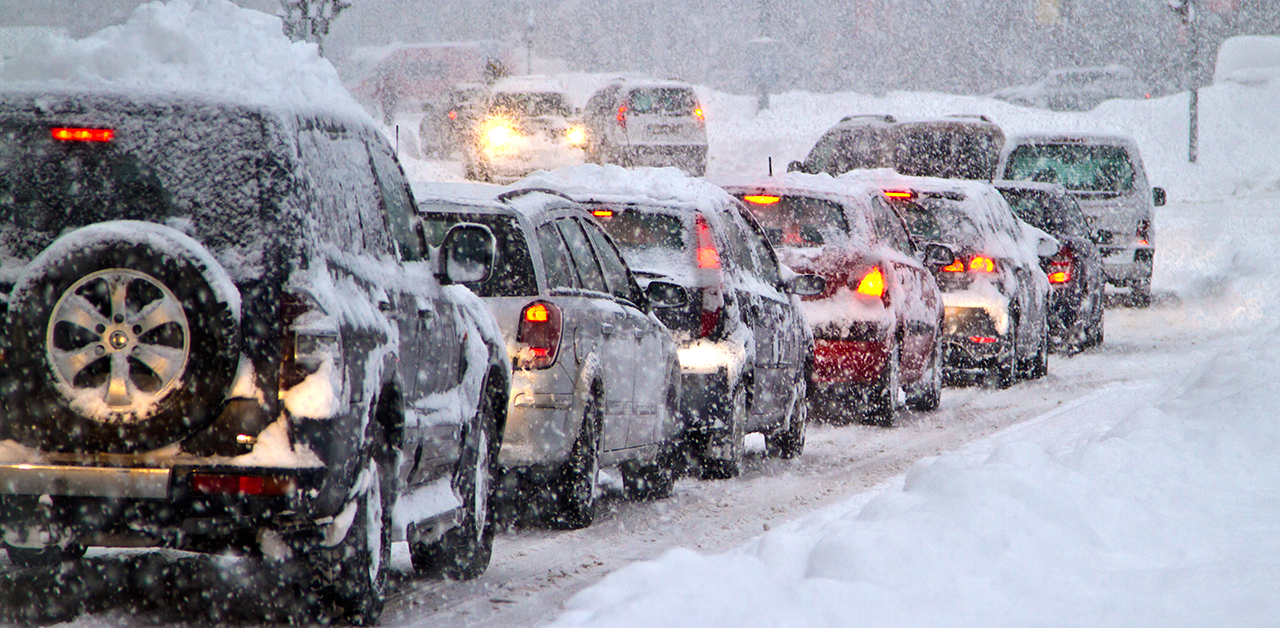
(664, 129)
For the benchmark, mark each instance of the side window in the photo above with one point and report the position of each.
(615, 270)
(397, 203)
(588, 269)
(555, 259)
(890, 227)
(767, 266)
(738, 248)
(346, 201)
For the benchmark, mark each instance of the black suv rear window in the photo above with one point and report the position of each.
(1047, 211)
(164, 168)
(513, 274)
(660, 100)
(1081, 167)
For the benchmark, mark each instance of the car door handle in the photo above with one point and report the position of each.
(606, 329)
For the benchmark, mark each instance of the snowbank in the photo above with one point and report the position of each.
(210, 48)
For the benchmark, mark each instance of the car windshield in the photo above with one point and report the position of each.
(147, 170)
(661, 100)
(512, 274)
(798, 221)
(1080, 167)
(647, 240)
(1054, 214)
(949, 152)
(530, 104)
(940, 220)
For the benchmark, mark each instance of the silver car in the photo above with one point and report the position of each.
(1105, 175)
(596, 378)
(647, 123)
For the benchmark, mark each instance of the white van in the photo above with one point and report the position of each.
(633, 122)
(1106, 177)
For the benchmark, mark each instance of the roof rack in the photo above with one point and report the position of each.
(886, 118)
(517, 193)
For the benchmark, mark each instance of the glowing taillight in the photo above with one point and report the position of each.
(602, 213)
(954, 267)
(453, 115)
(872, 283)
(1059, 266)
(700, 117)
(540, 330)
(220, 484)
(622, 115)
(1144, 232)
(708, 322)
(980, 264)
(906, 194)
(708, 255)
(981, 340)
(83, 135)
(760, 199)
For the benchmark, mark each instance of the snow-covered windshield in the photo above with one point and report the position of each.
(529, 104)
(1081, 167)
(137, 165)
(798, 221)
(650, 242)
(661, 100)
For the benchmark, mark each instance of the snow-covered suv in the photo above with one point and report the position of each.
(635, 122)
(221, 334)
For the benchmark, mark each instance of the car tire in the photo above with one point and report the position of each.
(655, 480)
(789, 443)
(463, 553)
(355, 571)
(1140, 293)
(161, 365)
(1039, 366)
(927, 395)
(45, 557)
(577, 483)
(882, 397)
(731, 442)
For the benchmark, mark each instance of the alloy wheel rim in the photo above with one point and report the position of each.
(118, 341)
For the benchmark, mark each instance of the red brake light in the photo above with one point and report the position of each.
(899, 194)
(1059, 267)
(872, 283)
(697, 113)
(453, 115)
(760, 199)
(602, 213)
(708, 256)
(219, 484)
(980, 264)
(83, 135)
(981, 340)
(954, 267)
(540, 329)
(1144, 232)
(622, 115)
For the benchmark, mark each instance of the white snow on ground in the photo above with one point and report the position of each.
(1166, 514)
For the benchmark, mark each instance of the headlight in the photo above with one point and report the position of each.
(576, 136)
(498, 135)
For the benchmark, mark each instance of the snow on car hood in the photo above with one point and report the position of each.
(208, 47)
(610, 183)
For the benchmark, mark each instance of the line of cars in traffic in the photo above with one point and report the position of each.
(308, 361)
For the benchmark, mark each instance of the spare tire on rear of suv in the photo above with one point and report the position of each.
(123, 337)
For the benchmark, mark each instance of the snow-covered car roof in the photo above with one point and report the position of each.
(816, 185)
(615, 184)
(489, 198)
(1100, 139)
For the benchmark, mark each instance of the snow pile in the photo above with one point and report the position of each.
(1168, 519)
(211, 48)
(1248, 59)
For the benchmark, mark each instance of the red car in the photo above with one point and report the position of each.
(876, 325)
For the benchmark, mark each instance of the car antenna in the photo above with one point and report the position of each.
(397, 140)
(770, 165)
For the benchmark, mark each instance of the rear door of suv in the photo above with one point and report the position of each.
(663, 115)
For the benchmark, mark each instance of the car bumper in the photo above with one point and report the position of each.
(1126, 266)
(848, 361)
(971, 340)
(538, 430)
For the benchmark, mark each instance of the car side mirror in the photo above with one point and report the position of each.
(1047, 247)
(1158, 197)
(795, 166)
(467, 254)
(938, 255)
(664, 294)
(806, 285)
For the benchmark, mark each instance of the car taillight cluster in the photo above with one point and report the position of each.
(1060, 266)
(223, 484)
(700, 117)
(1144, 232)
(83, 135)
(976, 264)
(304, 347)
(872, 284)
(622, 115)
(708, 254)
(541, 324)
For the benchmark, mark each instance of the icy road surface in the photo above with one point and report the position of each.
(1208, 252)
